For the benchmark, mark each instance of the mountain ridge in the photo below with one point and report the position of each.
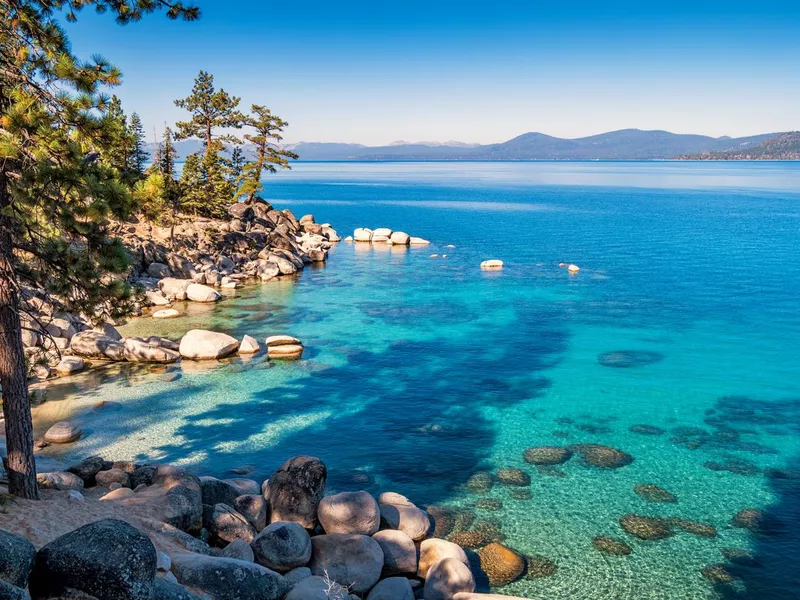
(623, 144)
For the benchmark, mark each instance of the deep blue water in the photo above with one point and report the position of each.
(421, 370)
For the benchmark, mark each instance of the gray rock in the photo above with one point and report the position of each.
(143, 475)
(16, 559)
(392, 588)
(282, 547)
(225, 524)
(296, 489)
(59, 481)
(447, 578)
(243, 485)
(12, 592)
(106, 478)
(174, 288)
(184, 509)
(216, 491)
(399, 552)
(227, 578)
(69, 365)
(238, 549)
(89, 467)
(108, 559)
(63, 432)
(297, 575)
(158, 270)
(316, 588)
(252, 507)
(163, 589)
(145, 352)
(348, 559)
(349, 512)
(93, 344)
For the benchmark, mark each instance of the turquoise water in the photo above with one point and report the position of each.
(420, 371)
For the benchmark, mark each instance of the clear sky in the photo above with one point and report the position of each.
(378, 71)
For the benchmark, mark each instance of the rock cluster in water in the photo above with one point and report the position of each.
(206, 258)
(384, 235)
(238, 538)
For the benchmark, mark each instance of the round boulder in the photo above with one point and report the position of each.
(501, 564)
(399, 552)
(197, 292)
(282, 547)
(511, 476)
(539, 567)
(59, 480)
(432, 550)
(646, 528)
(447, 578)
(225, 524)
(16, 559)
(349, 512)
(603, 457)
(480, 482)
(392, 588)
(546, 455)
(70, 365)
(610, 545)
(63, 432)
(492, 264)
(412, 521)
(296, 489)
(200, 344)
(653, 493)
(348, 559)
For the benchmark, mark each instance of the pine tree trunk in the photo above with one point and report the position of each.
(20, 465)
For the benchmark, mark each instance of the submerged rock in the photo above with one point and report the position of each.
(604, 457)
(469, 539)
(611, 545)
(653, 493)
(539, 567)
(704, 530)
(547, 455)
(739, 556)
(647, 430)
(433, 550)
(520, 494)
(646, 528)
(718, 573)
(511, 476)
(624, 359)
(489, 504)
(501, 564)
(480, 482)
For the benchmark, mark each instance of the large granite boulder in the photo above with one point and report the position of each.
(174, 288)
(164, 589)
(12, 592)
(296, 489)
(238, 549)
(282, 547)
(89, 467)
(362, 234)
(197, 292)
(108, 559)
(348, 559)
(16, 559)
(412, 521)
(399, 552)
(400, 238)
(349, 512)
(447, 578)
(433, 550)
(252, 507)
(93, 344)
(501, 564)
(200, 344)
(226, 525)
(392, 588)
(216, 491)
(63, 432)
(317, 588)
(59, 480)
(136, 350)
(227, 578)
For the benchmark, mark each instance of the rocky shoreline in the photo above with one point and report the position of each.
(199, 261)
(157, 532)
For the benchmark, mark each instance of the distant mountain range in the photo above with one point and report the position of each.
(784, 146)
(626, 144)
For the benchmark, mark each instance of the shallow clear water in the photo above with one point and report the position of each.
(420, 370)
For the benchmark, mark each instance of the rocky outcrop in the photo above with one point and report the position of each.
(384, 235)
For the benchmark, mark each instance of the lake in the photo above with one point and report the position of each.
(676, 343)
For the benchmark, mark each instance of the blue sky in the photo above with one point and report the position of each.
(374, 72)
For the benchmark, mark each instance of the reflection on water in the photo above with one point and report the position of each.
(675, 345)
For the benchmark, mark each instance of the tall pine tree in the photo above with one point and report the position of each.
(57, 192)
(270, 156)
(138, 155)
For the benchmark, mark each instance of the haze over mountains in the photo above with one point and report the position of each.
(632, 144)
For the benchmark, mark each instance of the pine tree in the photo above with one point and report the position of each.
(57, 189)
(269, 156)
(138, 155)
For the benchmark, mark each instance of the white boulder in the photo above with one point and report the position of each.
(197, 292)
(362, 234)
(249, 345)
(492, 264)
(200, 344)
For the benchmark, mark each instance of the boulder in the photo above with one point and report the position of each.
(69, 365)
(106, 478)
(158, 270)
(238, 549)
(400, 238)
(252, 507)
(167, 313)
(287, 352)
(604, 457)
(348, 559)
(399, 552)
(16, 559)
(349, 512)
(546, 455)
(12, 592)
(223, 578)
(501, 564)
(244, 485)
(480, 482)
(296, 489)
(433, 550)
(412, 521)
(379, 239)
(275, 341)
(200, 344)
(362, 234)
(249, 345)
(197, 292)
(492, 264)
(107, 559)
(89, 467)
(317, 588)
(392, 588)
(63, 432)
(174, 288)
(241, 211)
(156, 298)
(216, 491)
(383, 232)
(282, 547)
(297, 575)
(109, 330)
(225, 524)
(117, 493)
(140, 351)
(394, 498)
(165, 589)
(446, 578)
(93, 344)
(418, 241)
